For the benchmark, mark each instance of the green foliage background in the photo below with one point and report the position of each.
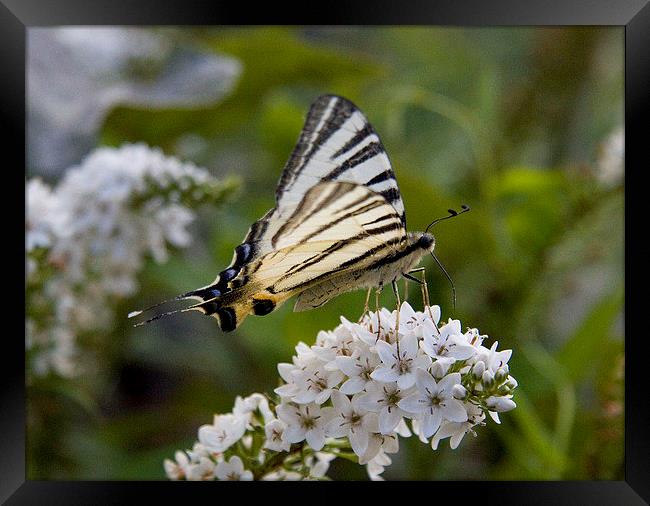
(508, 120)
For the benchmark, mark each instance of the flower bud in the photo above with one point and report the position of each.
(502, 373)
(459, 392)
(438, 370)
(478, 369)
(500, 404)
(247, 441)
(512, 383)
(504, 390)
(487, 379)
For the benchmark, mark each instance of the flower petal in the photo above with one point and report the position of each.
(454, 411)
(386, 353)
(389, 419)
(384, 374)
(316, 438)
(415, 403)
(430, 423)
(358, 441)
(353, 385)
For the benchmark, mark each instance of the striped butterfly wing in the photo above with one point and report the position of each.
(338, 167)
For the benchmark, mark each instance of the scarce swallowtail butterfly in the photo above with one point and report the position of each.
(338, 225)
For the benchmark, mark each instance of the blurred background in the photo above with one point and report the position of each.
(525, 125)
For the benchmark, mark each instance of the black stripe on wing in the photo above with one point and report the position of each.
(363, 155)
(326, 115)
(338, 143)
(388, 245)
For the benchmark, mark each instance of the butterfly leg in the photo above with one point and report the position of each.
(406, 290)
(425, 291)
(377, 312)
(416, 280)
(365, 306)
(399, 305)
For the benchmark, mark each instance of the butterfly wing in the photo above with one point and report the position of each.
(319, 294)
(337, 204)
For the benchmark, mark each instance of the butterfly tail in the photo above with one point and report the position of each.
(212, 303)
(229, 307)
(209, 302)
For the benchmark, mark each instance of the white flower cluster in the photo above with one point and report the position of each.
(87, 238)
(359, 387)
(253, 434)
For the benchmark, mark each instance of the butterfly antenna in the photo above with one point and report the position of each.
(452, 214)
(453, 288)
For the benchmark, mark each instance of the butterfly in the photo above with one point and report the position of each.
(338, 225)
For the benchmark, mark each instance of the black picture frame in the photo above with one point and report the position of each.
(18, 15)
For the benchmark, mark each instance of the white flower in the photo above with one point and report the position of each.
(198, 451)
(383, 320)
(473, 337)
(42, 216)
(457, 430)
(361, 333)
(383, 398)
(358, 369)
(315, 385)
(177, 470)
(377, 443)
(376, 466)
(306, 421)
(333, 344)
(402, 429)
(434, 402)
(500, 404)
(492, 358)
(204, 470)
(97, 227)
(319, 463)
(449, 346)
(351, 421)
(246, 406)
(233, 470)
(275, 439)
(223, 433)
(411, 321)
(400, 367)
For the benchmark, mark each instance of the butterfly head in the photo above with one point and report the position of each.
(424, 240)
(418, 244)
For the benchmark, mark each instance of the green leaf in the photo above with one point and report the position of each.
(582, 351)
(536, 437)
(532, 204)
